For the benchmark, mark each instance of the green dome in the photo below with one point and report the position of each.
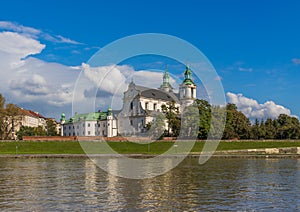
(188, 76)
(63, 115)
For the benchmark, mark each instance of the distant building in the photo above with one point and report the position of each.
(27, 118)
(30, 118)
(140, 104)
(90, 124)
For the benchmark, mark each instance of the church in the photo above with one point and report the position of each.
(140, 104)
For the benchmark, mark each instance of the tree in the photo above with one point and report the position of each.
(2, 101)
(25, 131)
(172, 115)
(2, 115)
(270, 129)
(31, 131)
(218, 121)
(190, 122)
(51, 127)
(237, 124)
(9, 116)
(156, 128)
(255, 130)
(204, 109)
(287, 127)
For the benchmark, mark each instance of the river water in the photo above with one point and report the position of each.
(75, 184)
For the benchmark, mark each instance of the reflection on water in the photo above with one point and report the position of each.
(220, 184)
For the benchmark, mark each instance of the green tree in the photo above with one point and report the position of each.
(190, 122)
(237, 124)
(25, 131)
(218, 121)
(172, 115)
(31, 131)
(51, 127)
(287, 127)
(255, 130)
(156, 128)
(270, 129)
(204, 109)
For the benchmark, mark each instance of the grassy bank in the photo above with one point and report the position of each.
(73, 147)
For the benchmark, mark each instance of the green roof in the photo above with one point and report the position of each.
(188, 82)
(188, 76)
(88, 117)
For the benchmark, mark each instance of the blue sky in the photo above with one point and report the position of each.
(253, 45)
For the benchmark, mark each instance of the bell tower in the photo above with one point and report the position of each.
(187, 89)
(166, 86)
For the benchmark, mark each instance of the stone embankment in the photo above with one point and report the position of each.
(264, 151)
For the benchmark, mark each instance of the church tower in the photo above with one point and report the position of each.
(166, 86)
(109, 122)
(187, 89)
(62, 122)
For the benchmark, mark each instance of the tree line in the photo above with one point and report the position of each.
(202, 120)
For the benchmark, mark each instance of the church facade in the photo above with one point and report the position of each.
(140, 105)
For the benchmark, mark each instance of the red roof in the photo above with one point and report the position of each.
(31, 113)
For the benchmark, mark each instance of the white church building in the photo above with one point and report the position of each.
(140, 104)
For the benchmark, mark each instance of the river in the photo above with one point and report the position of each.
(73, 184)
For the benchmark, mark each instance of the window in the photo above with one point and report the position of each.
(99, 125)
(69, 127)
(89, 132)
(104, 125)
(154, 106)
(131, 122)
(83, 124)
(131, 105)
(102, 132)
(146, 105)
(89, 124)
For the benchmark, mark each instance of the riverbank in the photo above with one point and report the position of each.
(289, 152)
(62, 148)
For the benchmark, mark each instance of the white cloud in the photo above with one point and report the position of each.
(7, 25)
(110, 82)
(252, 109)
(115, 78)
(62, 39)
(25, 80)
(19, 45)
(35, 33)
(245, 69)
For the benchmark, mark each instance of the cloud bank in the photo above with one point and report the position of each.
(48, 87)
(252, 109)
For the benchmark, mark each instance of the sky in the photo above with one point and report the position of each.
(253, 45)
